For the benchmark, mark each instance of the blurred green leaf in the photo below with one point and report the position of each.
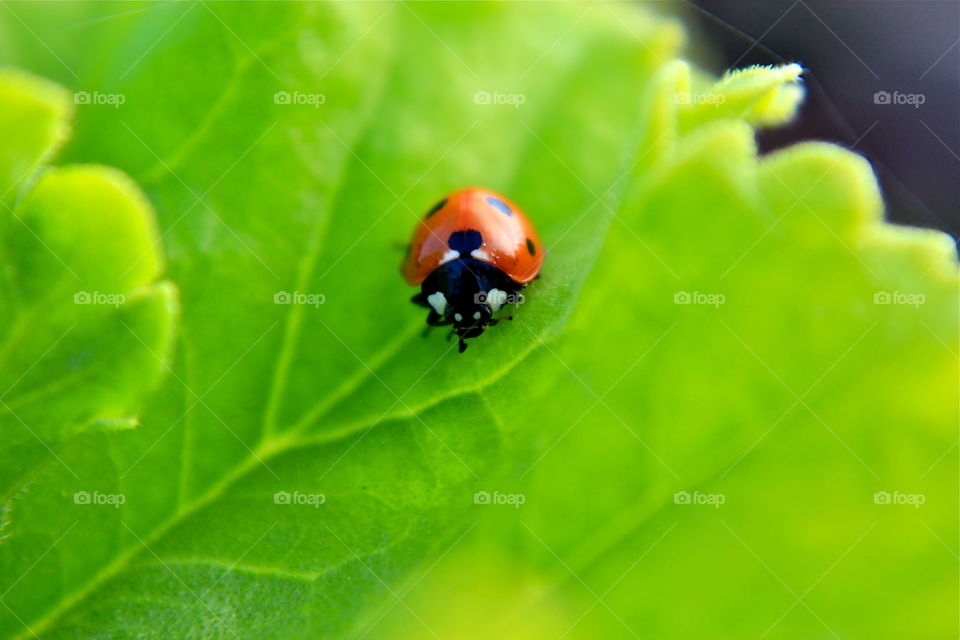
(35, 117)
(766, 447)
(86, 329)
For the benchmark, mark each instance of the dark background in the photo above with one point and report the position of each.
(852, 50)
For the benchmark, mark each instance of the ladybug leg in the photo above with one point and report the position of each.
(420, 300)
(463, 345)
(434, 319)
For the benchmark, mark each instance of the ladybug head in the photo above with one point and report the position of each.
(472, 329)
(465, 293)
(469, 313)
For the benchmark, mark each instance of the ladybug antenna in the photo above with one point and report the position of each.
(494, 321)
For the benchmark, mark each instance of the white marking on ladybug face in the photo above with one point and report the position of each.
(457, 317)
(438, 301)
(449, 255)
(496, 299)
(476, 315)
(480, 254)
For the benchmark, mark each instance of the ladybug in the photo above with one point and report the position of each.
(471, 254)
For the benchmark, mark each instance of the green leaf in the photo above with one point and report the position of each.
(86, 327)
(345, 399)
(305, 465)
(762, 96)
(35, 116)
(766, 446)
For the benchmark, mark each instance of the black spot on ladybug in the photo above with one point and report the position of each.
(532, 249)
(436, 208)
(499, 205)
(465, 241)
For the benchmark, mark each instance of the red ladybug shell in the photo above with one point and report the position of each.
(510, 242)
